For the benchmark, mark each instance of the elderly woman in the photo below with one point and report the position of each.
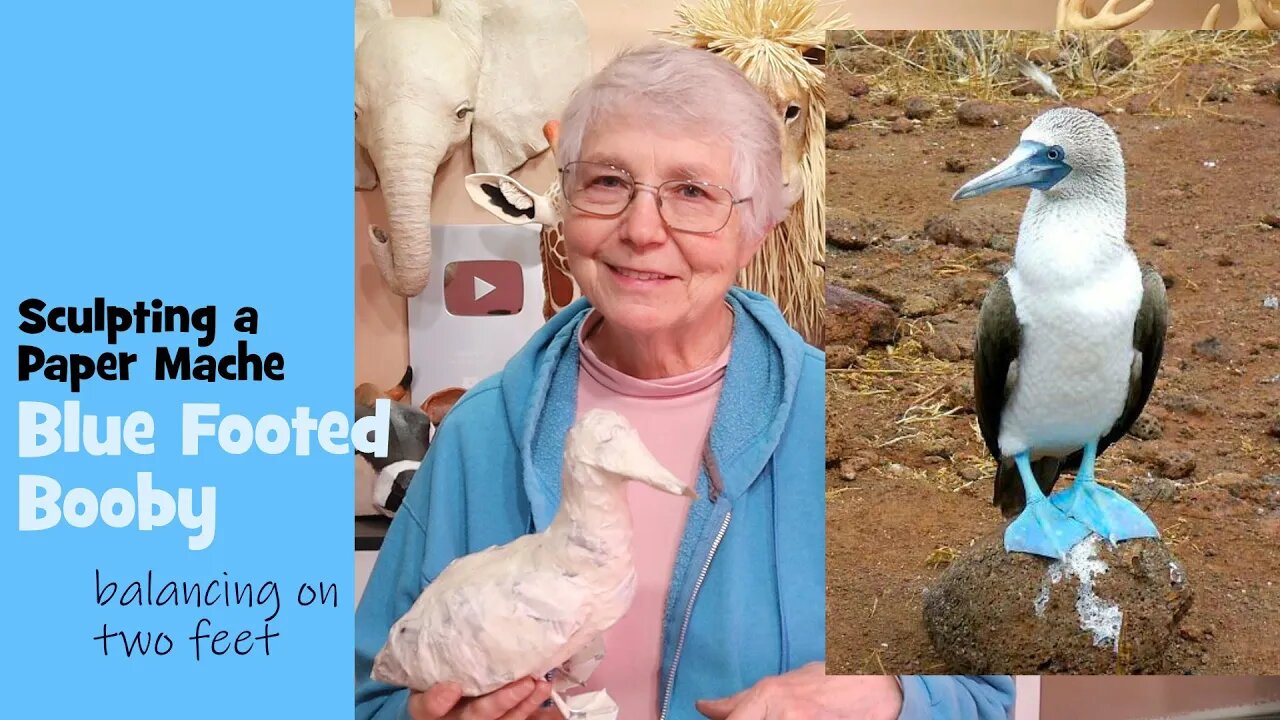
(671, 177)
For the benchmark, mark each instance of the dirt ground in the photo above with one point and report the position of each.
(909, 480)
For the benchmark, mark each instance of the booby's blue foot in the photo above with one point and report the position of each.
(1101, 509)
(1041, 529)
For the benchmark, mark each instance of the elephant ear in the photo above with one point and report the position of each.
(369, 12)
(533, 54)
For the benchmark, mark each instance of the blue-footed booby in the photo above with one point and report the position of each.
(1069, 340)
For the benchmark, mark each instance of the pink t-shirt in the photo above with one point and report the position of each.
(673, 416)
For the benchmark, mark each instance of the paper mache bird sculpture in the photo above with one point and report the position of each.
(531, 606)
(1069, 341)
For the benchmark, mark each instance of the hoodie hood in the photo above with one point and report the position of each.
(539, 392)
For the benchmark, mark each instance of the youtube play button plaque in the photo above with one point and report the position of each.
(483, 287)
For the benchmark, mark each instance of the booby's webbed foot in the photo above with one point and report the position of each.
(1103, 510)
(1041, 528)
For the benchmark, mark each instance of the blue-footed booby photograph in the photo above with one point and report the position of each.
(1053, 351)
(1069, 340)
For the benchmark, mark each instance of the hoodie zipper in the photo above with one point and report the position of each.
(688, 615)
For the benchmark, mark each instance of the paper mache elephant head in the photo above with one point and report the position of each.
(488, 71)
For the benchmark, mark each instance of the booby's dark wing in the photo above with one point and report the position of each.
(995, 370)
(1148, 340)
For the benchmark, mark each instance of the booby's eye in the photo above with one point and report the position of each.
(1054, 153)
(793, 112)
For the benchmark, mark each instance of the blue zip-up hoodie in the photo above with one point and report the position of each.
(747, 596)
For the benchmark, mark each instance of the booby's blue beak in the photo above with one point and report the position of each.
(1031, 164)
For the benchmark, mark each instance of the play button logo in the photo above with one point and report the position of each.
(483, 287)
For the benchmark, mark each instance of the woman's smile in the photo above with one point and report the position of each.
(637, 279)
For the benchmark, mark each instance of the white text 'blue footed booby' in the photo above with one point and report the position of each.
(1069, 340)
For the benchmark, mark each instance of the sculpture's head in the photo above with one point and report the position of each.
(607, 445)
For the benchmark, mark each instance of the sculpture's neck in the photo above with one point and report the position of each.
(595, 515)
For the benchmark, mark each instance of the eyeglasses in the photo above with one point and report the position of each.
(685, 205)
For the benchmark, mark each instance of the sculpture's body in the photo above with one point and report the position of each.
(527, 607)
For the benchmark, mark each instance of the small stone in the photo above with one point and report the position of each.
(1185, 403)
(1274, 430)
(1027, 87)
(839, 111)
(978, 113)
(1154, 489)
(902, 126)
(841, 141)
(1119, 56)
(1176, 465)
(941, 347)
(969, 474)
(955, 165)
(942, 229)
(918, 108)
(1220, 93)
(845, 231)
(1147, 427)
(1271, 219)
(1224, 259)
(1001, 242)
(857, 320)
(997, 267)
(848, 470)
(854, 85)
(1237, 483)
(1047, 56)
(1210, 347)
(919, 306)
(840, 357)
(1160, 239)
(1267, 85)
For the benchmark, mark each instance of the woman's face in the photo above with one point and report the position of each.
(640, 274)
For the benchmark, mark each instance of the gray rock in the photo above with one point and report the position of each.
(1105, 611)
(1147, 427)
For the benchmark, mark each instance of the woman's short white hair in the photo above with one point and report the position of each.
(694, 92)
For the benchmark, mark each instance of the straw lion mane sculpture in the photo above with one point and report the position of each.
(767, 40)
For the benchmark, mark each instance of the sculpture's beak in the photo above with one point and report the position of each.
(644, 467)
(1026, 166)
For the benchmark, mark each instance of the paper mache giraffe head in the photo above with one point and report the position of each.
(513, 203)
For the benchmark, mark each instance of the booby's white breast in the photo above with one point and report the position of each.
(1076, 303)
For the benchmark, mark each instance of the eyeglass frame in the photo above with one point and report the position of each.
(636, 184)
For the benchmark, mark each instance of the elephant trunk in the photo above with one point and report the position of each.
(402, 253)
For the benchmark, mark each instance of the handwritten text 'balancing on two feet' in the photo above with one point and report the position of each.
(568, 584)
(1069, 340)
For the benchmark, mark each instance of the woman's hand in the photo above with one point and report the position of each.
(809, 693)
(517, 701)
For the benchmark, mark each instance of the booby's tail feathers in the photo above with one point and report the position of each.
(1010, 495)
